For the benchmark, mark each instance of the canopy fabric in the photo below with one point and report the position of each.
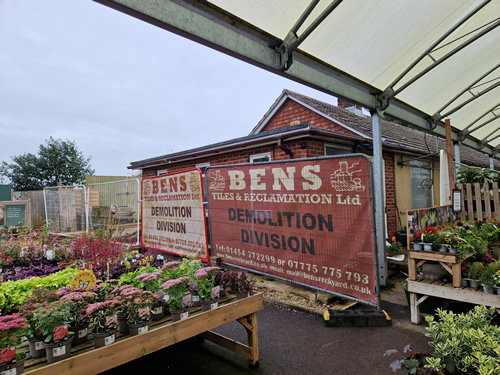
(417, 61)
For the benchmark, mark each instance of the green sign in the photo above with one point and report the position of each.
(14, 215)
(5, 192)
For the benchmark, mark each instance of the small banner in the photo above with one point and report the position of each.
(173, 215)
(307, 221)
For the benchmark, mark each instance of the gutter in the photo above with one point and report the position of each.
(269, 139)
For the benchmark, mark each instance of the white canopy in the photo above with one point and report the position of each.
(417, 61)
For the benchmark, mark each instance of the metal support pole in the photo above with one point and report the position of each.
(456, 148)
(492, 163)
(378, 181)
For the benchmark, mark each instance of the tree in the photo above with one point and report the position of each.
(58, 163)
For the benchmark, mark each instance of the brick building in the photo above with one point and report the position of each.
(297, 126)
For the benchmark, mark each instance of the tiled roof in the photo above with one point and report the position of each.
(393, 134)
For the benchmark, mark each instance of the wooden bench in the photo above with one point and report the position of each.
(85, 359)
(417, 258)
(426, 288)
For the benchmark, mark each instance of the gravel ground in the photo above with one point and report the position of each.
(285, 299)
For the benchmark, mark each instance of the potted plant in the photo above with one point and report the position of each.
(53, 322)
(488, 277)
(12, 330)
(239, 284)
(464, 343)
(205, 278)
(175, 289)
(496, 279)
(80, 299)
(475, 271)
(151, 282)
(394, 249)
(103, 321)
(40, 297)
(137, 304)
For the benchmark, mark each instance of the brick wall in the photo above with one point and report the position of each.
(293, 112)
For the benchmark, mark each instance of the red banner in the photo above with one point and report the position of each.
(173, 215)
(308, 221)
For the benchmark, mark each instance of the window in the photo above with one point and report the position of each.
(259, 158)
(336, 150)
(421, 184)
(160, 172)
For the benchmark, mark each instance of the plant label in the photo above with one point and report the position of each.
(57, 352)
(82, 333)
(185, 315)
(142, 330)
(39, 345)
(12, 371)
(157, 310)
(110, 339)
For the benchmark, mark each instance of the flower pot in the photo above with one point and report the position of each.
(36, 347)
(488, 289)
(473, 283)
(195, 300)
(104, 338)
(241, 295)
(139, 328)
(443, 248)
(58, 351)
(158, 311)
(209, 305)
(80, 334)
(122, 324)
(465, 281)
(418, 246)
(452, 251)
(496, 289)
(15, 368)
(427, 246)
(179, 315)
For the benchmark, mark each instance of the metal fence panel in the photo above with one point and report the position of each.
(65, 208)
(114, 207)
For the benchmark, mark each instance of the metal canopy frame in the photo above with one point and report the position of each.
(213, 26)
(252, 32)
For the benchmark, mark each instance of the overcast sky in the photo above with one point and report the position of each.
(121, 89)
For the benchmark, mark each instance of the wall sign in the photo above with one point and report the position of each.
(307, 221)
(457, 200)
(173, 215)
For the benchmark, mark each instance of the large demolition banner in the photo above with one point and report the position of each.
(307, 221)
(173, 215)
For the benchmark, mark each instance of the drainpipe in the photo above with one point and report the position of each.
(285, 149)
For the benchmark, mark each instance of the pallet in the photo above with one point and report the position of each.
(440, 289)
(85, 359)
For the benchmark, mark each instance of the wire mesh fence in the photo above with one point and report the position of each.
(114, 207)
(65, 208)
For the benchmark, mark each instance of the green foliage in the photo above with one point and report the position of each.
(57, 162)
(15, 293)
(55, 315)
(469, 340)
(475, 270)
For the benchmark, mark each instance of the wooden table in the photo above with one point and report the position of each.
(417, 258)
(426, 288)
(163, 333)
